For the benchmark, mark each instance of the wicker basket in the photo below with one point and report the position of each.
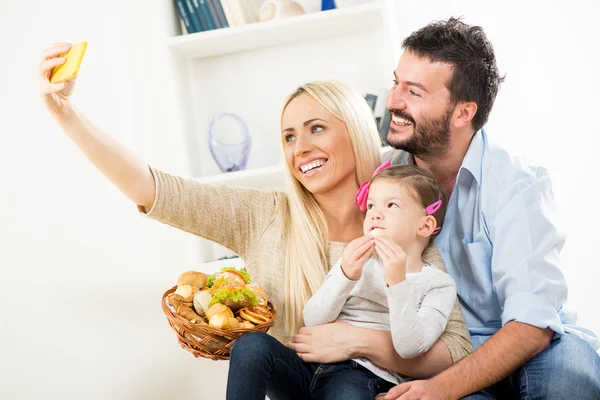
(206, 341)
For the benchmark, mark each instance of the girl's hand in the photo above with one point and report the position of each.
(393, 258)
(55, 95)
(355, 254)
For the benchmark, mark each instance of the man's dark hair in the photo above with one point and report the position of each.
(475, 77)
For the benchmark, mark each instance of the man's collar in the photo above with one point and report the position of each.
(471, 162)
(474, 157)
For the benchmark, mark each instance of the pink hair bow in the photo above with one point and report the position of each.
(430, 210)
(363, 191)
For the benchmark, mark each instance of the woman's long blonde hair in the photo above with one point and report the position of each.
(306, 260)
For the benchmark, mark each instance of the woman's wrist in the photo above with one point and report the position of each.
(362, 342)
(66, 115)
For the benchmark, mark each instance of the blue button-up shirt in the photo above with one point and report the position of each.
(501, 242)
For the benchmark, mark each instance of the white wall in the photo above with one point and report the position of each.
(82, 274)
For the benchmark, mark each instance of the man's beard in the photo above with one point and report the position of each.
(430, 138)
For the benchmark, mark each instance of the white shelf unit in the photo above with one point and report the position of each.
(266, 178)
(272, 33)
(260, 178)
(249, 70)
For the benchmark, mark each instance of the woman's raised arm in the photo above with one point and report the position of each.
(121, 166)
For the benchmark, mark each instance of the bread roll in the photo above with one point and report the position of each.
(202, 302)
(228, 278)
(218, 309)
(234, 323)
(260, 294)
(235, 297)
(187, 292)
(222, 321)
(192, 278)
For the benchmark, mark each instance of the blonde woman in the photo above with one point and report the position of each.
(288, 242)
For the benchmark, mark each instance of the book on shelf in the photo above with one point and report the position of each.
(371, 100)
(228, 12)
(382, 115)
(377, 103)
(384, 127)
(205, 15)
(184, 16)
(216, 10)
(194, 18)
(198, 15)
(204, 12)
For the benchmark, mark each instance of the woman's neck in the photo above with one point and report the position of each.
(344, 219)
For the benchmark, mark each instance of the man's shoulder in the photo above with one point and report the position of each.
(503, 168)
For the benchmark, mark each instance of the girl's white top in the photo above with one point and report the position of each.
(415, 311)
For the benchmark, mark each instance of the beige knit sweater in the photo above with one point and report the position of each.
(251, 223)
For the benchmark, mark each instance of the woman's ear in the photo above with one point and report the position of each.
(427, 227)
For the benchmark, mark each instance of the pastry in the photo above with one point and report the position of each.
(379, 232)
(246, 325)
(202, 302)
(175, 300)
(222, 321)
(188, 313)
(257, 314)
(218, 308)
(260, 293)
(192, 278)
(187, 292)
(228, 278)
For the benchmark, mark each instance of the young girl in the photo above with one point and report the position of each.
(381, 282)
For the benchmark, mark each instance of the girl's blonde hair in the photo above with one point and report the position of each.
(306, 261)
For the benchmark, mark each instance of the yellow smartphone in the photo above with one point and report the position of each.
(70, 68)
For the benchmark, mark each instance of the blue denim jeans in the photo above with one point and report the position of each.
(568, 369)
(261, 365)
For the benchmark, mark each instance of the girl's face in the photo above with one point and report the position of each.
(390, 207)
(317, 147)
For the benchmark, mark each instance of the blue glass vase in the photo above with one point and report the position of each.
(327, 5)
(229, 141)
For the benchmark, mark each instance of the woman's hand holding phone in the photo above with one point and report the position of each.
(57, 71)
